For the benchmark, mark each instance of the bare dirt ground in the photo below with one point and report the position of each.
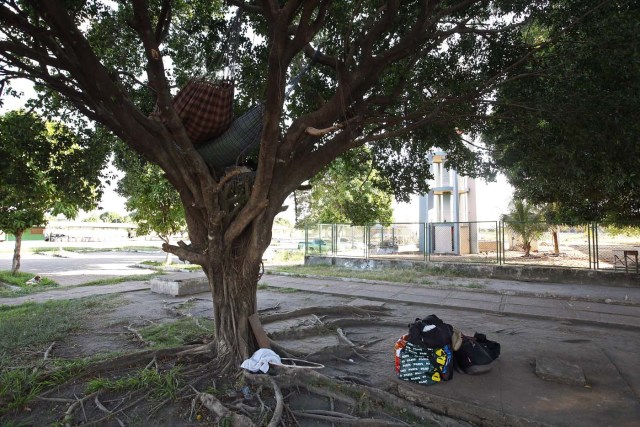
(364, 390)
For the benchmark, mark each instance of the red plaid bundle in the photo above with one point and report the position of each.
(206, 108)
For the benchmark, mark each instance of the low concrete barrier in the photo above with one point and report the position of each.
(179, 286)
(507, 272)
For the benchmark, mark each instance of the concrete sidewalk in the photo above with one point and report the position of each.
(567, 306)
(578, 304)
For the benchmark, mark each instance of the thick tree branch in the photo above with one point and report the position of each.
(184, 253)
(164, 21)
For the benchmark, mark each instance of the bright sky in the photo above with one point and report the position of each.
(493, 198)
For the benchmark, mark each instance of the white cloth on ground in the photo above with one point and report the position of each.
(260, 360)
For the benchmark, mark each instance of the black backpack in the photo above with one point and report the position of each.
(430, 332)
(476, 354)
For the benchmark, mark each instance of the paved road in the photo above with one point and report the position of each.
(78, 268)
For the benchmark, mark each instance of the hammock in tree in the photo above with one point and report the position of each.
(240, 139)
(205, 108)
(243, 136)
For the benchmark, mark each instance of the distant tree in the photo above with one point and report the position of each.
(526, 221)
(154, 204)
(45, 167)
(92, 218)
(113, 217)
(348, 191)
(283, 222)
(568, 134)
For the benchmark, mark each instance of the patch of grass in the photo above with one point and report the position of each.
(476, 285)
(263, 286)
(178, 332)
(37, 325)
(389, 275)
(18, 386)
(19, 280)
(287, 290)
(288, 256)
(403, 275)
(190, 267)
(163, 385)
(121, 279)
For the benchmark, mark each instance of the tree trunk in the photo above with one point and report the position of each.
(527, 248)
(556, 246)
(15, 265)
(234, 300)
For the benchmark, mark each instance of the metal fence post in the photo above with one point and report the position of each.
(424, 243)
(503, 258)
(589, 233)
(367, 240)
(596, 246)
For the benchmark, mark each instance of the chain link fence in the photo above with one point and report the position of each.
(600, 246)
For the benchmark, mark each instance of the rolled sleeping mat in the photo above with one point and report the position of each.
(241, 138)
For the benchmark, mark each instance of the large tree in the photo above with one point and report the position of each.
(44, 167)
(398, 76)
(568, 135)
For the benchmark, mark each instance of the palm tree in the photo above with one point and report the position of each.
(525, 220)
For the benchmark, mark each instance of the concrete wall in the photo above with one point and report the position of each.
(508, 272)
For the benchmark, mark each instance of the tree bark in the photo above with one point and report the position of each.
(15, 264)
(556, 245)
(234, 301)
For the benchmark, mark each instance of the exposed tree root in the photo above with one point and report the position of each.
(357, 397)
(277, 412)
(340, 310)
(335, 417)
(328, 326)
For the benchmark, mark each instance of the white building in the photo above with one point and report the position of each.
(449, 208)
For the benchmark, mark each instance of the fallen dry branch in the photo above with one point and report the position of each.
(138, 335)
(103, 408)
(342, 337)
(339, 351)
(68, 415)
(265, 310)
(300, 332)
(48, 351)
(218, 409)
(333, 310)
